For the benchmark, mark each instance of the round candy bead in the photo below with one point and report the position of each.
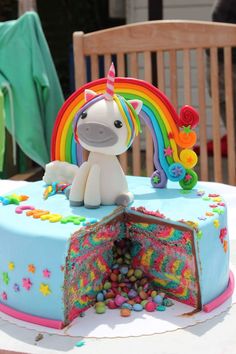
(100, 307)
(138, 273)
(130, 272)
(111, 305)
(161, 308)
(124, 312)
(167, 302)
(100, 297)
(132, 293)
(150, 306)
(113, 277)
(124, 270)
(143, 295)
(119, 300)
(153, 293)
(158, 299)
(107, 285)
(125, 305)
(132, 278)
(137, 307)
(144, 302)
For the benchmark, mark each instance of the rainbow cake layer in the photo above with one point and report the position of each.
(55, 258)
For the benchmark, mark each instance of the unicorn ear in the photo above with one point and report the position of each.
(137, 105)
(89, 94)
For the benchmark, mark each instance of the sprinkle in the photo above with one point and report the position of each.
(5, 278)
(80, 344)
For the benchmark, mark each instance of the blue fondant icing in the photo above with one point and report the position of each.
(25, 240)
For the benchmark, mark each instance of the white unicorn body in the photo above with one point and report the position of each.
(102, 131)
(105, 125)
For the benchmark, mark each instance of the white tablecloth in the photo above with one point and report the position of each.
(215, 336)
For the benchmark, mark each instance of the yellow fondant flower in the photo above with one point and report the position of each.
(44, 289)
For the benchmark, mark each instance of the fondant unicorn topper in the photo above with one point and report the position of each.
(106, 126)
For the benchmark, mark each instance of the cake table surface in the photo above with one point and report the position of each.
(216, 335)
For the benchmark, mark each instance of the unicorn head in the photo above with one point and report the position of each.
(107, 123)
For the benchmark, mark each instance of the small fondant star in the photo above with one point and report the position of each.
(188, 177)
(177, 171)
(26, 283)
(187, 129)
(31, 268)
(216, 223)
(4, 296)
(5, 278)
(199, 234)
(44, 289)
(16, 288)
(155, 179)
(218, 211)
(200, 193)
(202, 218)
(46, 273)
(208, 213)
(217, 199)
(11, 266)
(225, 245)
(168, 151)
(170, 135)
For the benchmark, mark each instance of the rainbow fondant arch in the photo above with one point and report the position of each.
(172, 135)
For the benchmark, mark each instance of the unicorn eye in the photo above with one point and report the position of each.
(118, 124)
(83, 115)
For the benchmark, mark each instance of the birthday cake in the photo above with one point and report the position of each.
(88, 233)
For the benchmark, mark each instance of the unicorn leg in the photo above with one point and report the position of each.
(124, 199)
(78, 185)
(92, 196)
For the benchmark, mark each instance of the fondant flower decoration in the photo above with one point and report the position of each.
(5, 278)
(46, 273)
(11, 266)
(26, 283)
(16, 287)
(44, 289)
(31, 268)
(4, 296)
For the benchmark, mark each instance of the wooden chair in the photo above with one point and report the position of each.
(172, 55)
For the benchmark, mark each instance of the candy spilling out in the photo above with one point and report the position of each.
(128, 289)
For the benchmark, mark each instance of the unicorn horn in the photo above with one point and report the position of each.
(110, 83)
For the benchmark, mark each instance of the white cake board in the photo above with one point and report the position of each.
(112, 325)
